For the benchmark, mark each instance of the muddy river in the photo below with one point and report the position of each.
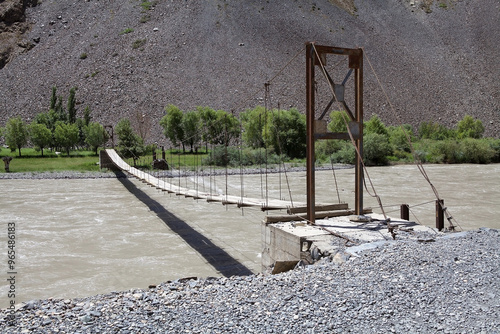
(75, 238)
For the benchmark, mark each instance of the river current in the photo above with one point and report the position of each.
(80, 237)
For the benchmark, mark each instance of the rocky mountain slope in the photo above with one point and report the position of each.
(437, 60)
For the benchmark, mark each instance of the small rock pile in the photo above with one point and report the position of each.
(449, 285)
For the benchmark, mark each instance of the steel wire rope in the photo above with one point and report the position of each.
(276, 75)
(227, 158)
(257, 92)
(266, 99)
(335, 179)
(241, 168)
(281, 160)
(360, 158)
(418, 162)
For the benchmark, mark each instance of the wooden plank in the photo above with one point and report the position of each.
(318, 215)
(326, 207)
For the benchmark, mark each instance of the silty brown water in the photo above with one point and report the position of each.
(81, 237)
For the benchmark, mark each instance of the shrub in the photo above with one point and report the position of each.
(338, 121)
(375, 125)
(138, 43)
(345, 155)
(127, 31)
(446, 151)
(376, 149)
(435, 131)
(476, 151)
(83, 56)
(398, 137)
(468, 127)
(285, 131)
(495, 145)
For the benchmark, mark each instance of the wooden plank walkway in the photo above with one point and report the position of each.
(263, 204)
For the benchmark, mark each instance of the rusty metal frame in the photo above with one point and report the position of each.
(316, 56)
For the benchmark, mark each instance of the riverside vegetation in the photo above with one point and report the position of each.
(218, 138)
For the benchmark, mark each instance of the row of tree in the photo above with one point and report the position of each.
(58, 128)
(432, 142)
(283, 131)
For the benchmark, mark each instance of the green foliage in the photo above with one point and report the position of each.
(375, 125)
(398, 137)
(146, 5)
(126, 31)
(61, 114)
(138, 43)
(86, 116)
(95, 136)
(83, 56)
(325, 148)
(71, 105)
(376, 149)
(476, 151)
(16, 133)
(40, 135)
(191, 125)
(53, 98)
(253, 121)
(495, 146)
(172, 125)
(231, 156)
(338, 121)
(345, 155)
(130, 145)
(219, 127)
(434, 131)
(66, 135)
(470, 128)
(285, 131)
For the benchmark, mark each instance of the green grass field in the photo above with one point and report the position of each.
(32, 161)
(84, 161)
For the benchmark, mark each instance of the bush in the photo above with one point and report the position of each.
(376, 149)
(233, 157)
(476, 151)
(470, 128)
(375, 125)
(445, 151)
(345, 155)
(127, 31)
(398, 137)
(435, 131)
(495, 145)
(138, 43)
(338, 121)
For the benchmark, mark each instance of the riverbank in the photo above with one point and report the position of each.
(448, 284)
(159, 173)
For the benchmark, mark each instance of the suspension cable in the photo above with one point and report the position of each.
(417, 160)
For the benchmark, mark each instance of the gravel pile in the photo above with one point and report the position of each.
(449, 285)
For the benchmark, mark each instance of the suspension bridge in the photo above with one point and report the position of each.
(109, 158)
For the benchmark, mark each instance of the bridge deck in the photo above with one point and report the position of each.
(264, 204)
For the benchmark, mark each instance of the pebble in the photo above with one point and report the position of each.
(404, 286)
